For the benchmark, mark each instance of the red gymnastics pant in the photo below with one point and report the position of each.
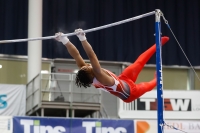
(130, 74)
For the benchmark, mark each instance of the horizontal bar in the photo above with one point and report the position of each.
(86, 31)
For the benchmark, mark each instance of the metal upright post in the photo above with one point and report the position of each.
(159, 72)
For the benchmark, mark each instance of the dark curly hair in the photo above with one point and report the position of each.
(83, 78)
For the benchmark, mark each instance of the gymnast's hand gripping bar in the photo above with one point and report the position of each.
(86, 31)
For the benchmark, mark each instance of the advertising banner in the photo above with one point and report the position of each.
(6, 124)
(150, 126)
(68, 125)
(12, 100)
(177, 105)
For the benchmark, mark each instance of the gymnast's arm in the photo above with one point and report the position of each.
(73, 51)
(101, 75)
(92, 57)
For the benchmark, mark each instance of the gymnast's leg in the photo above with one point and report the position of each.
(134, 69)
(144, 87)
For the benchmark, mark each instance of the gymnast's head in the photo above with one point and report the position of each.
(84, 76)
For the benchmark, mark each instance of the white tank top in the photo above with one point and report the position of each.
(97, 83)
(116, 89)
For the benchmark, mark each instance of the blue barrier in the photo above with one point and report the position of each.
(69, 125)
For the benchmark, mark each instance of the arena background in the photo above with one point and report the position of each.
(121, 43)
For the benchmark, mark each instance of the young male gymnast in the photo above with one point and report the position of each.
(122, 86)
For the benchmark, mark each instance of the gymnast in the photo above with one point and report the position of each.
(122, 86)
